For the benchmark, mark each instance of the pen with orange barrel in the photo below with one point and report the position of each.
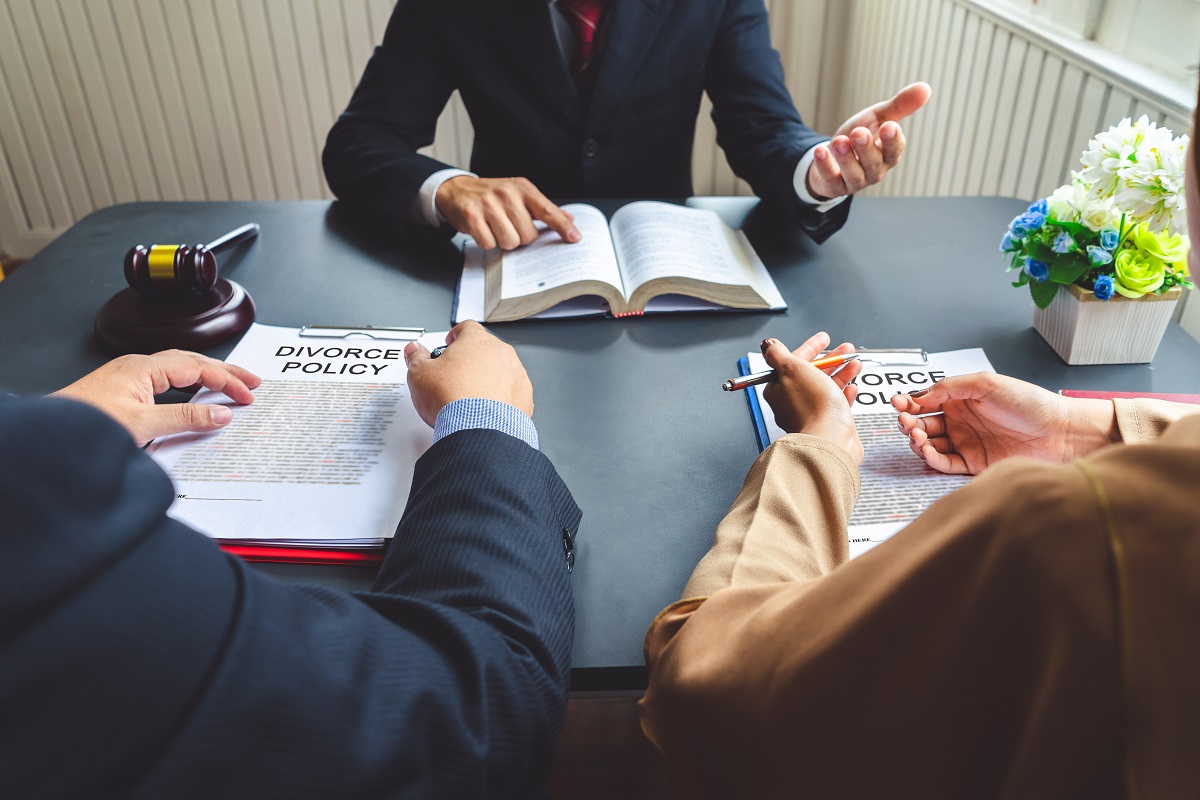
(746, 381)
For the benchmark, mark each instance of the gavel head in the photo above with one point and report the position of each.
(171, 269)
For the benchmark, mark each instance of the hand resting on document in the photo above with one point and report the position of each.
(125, 387)
(807, 400)
(499, 212)
(987, 417)
(475, 364)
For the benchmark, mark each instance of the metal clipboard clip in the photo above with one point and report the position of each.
(370, 331)
(902, 356)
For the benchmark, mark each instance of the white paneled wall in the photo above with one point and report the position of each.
(1012, 109)
(109, 101)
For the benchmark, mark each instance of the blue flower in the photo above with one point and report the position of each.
(1026, 224)
(1063, 243)
(1040, 207)
(1038, 270)
(1109, 239)
(1007, 245)
(1098, 256)
(1104, 287)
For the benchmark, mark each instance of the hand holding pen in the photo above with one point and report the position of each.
(807, 400)
(758, 378)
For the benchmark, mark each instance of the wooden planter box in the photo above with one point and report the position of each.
(1083, 329)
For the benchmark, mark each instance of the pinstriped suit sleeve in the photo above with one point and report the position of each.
(168, 669)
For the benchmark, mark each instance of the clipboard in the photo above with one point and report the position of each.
(353, 534)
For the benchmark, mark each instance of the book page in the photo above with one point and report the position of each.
(660, 240)
(896, 485)
(324, 454)
(551, 262)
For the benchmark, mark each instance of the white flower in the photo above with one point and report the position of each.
(1140, 167)
(1152, 190)
(1064, 204)
(1110, 152)
(1100, 214)
(1072, 203)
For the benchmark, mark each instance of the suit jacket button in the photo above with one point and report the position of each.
(590, 148)
(568, 543)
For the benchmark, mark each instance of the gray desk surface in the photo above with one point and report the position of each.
(630, 411)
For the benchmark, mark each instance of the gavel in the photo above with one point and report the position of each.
(176, 299)
(167, 270)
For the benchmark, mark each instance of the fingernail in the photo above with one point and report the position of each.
(220, 415)
(764, 344)
(888, 134)
(919, 393)
(900, 425)
(574, 235)
(821, 154)
(861, 138)
(842, 147)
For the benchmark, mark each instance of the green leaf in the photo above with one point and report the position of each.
(1043, 293)
(1041, 251)
(1077, 230)
(1068, 268)
(1021, 281)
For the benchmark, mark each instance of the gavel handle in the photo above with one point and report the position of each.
(233, 238)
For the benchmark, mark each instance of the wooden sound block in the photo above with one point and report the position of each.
(131, 322)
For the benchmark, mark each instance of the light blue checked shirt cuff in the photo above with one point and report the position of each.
(477, 412)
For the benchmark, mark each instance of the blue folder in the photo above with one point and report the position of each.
(756, 414)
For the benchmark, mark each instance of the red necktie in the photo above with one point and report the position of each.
(584, 16)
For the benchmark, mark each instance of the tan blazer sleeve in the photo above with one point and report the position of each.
(788, 521)
(1016, 640)
(1143, 420)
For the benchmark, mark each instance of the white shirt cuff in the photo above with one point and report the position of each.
(800, 182)
(426, 202)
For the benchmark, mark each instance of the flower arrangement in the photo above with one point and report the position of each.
(1116, 228)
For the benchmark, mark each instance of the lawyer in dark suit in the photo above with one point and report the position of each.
(589, 98)
(137, 660)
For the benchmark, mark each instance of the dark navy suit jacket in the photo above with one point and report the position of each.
(136, 659)
(632, 139)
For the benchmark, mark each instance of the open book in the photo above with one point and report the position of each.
(652, 257)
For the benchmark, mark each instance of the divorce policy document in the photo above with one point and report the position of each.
(324, 455)
(895, 484)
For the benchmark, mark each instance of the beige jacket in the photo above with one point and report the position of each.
(1034, 634)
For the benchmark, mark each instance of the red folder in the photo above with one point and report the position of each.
(303, 555)
(1193, 399)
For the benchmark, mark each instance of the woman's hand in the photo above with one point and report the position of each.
(807, 400)
(987, 417)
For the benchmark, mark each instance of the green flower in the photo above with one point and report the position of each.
(1167, 249)
(1138, 273)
